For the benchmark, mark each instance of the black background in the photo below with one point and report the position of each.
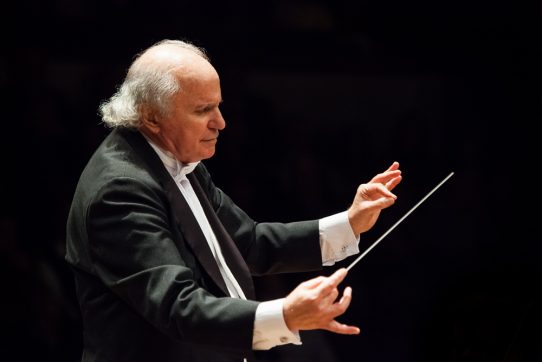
(319, 96)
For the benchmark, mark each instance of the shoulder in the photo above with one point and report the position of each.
(121, 156)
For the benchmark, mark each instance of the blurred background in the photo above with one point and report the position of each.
(319, 96)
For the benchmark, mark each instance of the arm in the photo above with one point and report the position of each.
(313, 304)
(340, 233)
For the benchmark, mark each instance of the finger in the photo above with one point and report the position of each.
(346, 298)
(312, 283)
(341, 328)
(385, 176)
(380, 204)
(330, 298)
(390, 185)
(342, 305)
(378, 188)
(385, 191)
(394, 166)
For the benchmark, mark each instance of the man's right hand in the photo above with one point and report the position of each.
(313, 305)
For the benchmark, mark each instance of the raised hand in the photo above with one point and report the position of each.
(372, 197)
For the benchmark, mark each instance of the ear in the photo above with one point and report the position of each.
(149, 120)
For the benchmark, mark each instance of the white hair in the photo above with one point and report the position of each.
(145, 84)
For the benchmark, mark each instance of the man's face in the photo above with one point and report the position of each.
(190, 132)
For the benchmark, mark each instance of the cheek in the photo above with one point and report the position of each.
(184, 134)
(173, 138)
(170, 138)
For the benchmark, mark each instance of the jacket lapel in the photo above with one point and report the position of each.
(185, 219)
(192, 233)
(231, 253)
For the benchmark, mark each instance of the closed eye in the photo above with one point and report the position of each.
(207, 108)
(204, 110)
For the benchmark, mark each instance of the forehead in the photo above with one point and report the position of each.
(196, 89)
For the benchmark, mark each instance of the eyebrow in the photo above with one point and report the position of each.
(205, 105)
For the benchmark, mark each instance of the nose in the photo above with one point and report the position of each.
(217, 121)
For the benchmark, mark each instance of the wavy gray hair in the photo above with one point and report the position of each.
(144, 85)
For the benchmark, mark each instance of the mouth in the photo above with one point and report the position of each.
(212, 139)
(209, 140)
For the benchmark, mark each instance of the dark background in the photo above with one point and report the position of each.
(319, 96)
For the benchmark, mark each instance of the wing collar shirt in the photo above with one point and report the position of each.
(337, 241)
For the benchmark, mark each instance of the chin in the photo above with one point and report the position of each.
(208, 154)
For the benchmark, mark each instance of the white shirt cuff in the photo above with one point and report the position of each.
(270, 329)
(337, 239)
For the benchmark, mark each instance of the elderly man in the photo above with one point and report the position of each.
(163, 259)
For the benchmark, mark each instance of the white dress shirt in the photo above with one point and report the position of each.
(337, 241)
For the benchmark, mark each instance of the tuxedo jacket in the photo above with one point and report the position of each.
(147, 284)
